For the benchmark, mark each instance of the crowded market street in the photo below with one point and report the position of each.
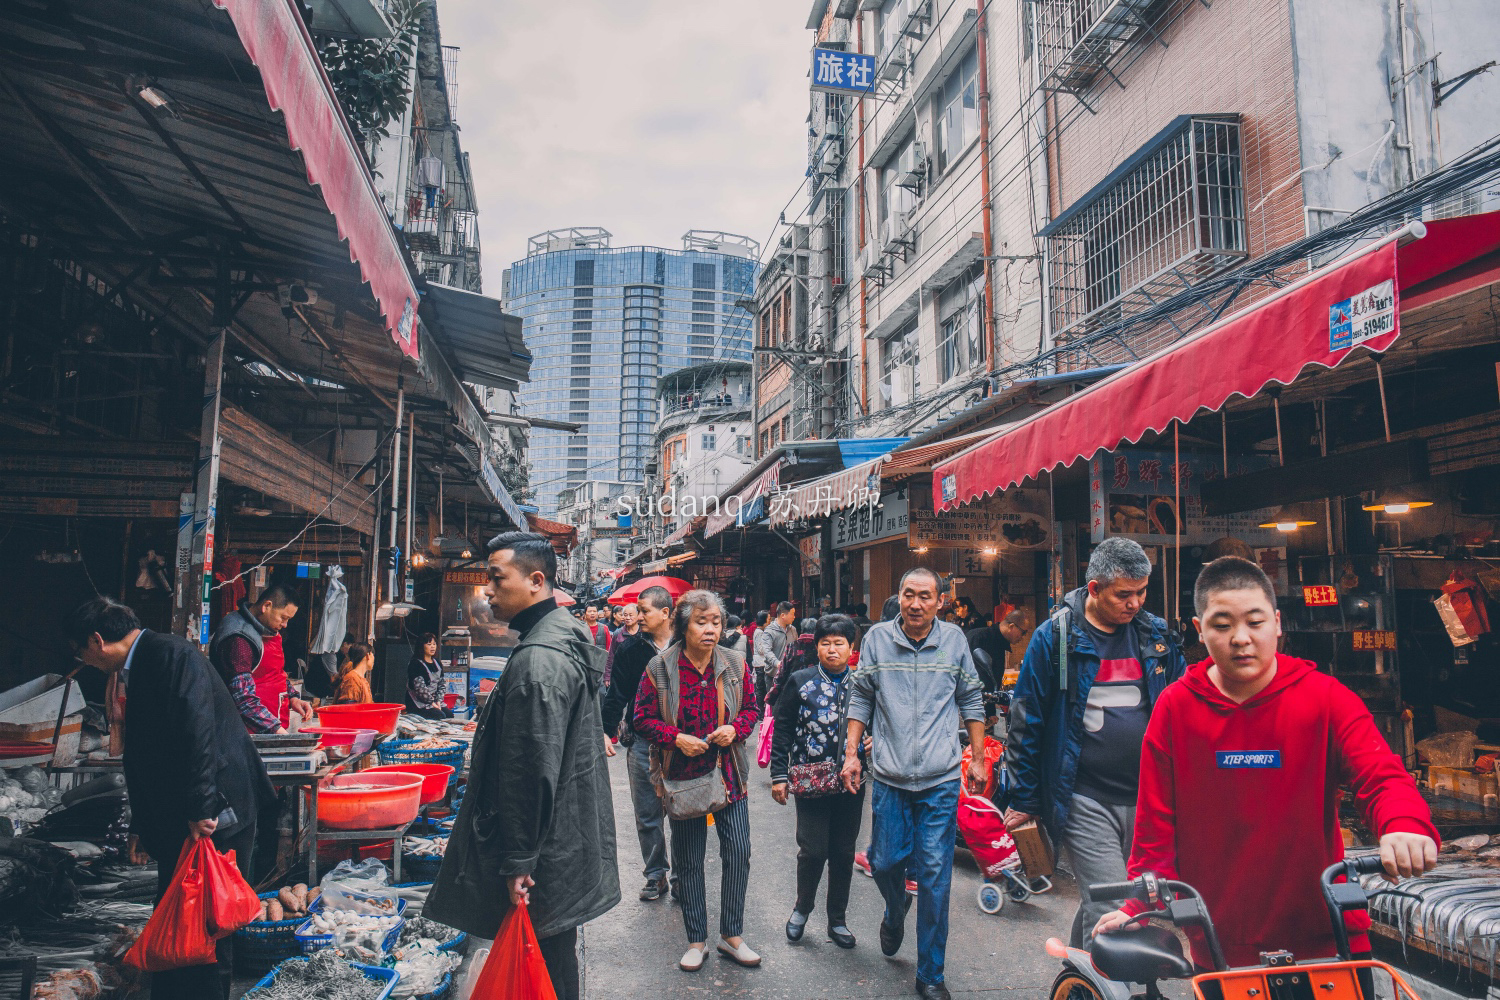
(633, 949)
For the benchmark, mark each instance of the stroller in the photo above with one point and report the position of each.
(982, 826)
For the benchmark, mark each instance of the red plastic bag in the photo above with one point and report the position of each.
(993, 751)
(232, 902)
(515, 970)
(176, 936)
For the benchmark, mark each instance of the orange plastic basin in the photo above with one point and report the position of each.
(434, 777)
(380, 716)
(368, 801)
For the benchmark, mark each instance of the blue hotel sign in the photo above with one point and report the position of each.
(837, 72)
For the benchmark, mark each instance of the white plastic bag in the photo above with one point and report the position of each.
(363, 887)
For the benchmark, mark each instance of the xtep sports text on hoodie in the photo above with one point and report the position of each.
(1240, 801)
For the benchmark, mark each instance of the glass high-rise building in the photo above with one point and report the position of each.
(603, 324)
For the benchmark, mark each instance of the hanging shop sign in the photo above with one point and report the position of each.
(1133, 494)
(1320, 597)
(467, 577)
(1017, 519)
(811, 547)
(837, 72)
(1368, 640)
(856, 526)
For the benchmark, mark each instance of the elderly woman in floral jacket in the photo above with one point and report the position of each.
(809, 713)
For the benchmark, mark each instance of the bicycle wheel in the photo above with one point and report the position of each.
(1069, 985)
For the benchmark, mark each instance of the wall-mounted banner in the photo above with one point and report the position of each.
(837, 72)
(861, 525)
(1017, 519)
(1133, 493)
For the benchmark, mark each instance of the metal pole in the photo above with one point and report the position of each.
(411, 470)
(1224, 427)
(1385, 414)
(1276, 406)
(390, 591)
(1177, 521)
(191, 609)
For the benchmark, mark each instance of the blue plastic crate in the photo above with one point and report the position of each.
(311, 942)
(376, 973)
(397, 752)
(260, 946)
(444, 987)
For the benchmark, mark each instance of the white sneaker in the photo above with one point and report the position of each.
(692, 959)
(743, 955)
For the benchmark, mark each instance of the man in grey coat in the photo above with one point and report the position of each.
(537, 824)
(915, 686)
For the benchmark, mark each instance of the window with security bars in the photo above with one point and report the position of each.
(1077, 40)
(1174, 215)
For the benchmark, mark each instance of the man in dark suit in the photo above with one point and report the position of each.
(190, 768)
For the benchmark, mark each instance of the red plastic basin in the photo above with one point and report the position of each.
(434, 777)
(369, 801)
(380, 716)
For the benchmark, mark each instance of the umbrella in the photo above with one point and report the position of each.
(632, 593)
(562, 597)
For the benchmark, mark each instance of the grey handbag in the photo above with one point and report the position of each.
(687, 798)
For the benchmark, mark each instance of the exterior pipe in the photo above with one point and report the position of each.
(864, 283)
(987, 210)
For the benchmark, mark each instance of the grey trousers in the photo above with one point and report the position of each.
(649, 825)
(1098, 844)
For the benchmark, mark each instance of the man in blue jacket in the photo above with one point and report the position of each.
(1078, 718)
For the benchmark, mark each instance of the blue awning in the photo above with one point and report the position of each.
(857, 450)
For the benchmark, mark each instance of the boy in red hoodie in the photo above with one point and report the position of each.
(1240, 773)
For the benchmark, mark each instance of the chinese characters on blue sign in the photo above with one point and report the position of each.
(837, 72)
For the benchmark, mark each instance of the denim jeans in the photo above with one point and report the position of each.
(650, 827)
(913, 835)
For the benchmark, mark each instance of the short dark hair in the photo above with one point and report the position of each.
(1230, 573)
(761, 617)
(733, 621)
(891, 610)
(104, 616)
(533, 553)
(835, 625)
(784, 607)
(937, 583)
(280, 595)
(808, 624)
(861, 608)
(659, 598)
(1016, 618)
(425, 638)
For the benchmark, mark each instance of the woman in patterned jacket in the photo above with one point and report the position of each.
(809, 714)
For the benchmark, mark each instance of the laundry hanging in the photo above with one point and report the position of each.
(335, 614)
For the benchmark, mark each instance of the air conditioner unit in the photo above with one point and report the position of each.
(918, 19)
(906, 223)
(884, 235)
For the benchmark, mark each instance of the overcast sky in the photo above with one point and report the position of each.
(646, 117)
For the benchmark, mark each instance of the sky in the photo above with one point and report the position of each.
(645, 117)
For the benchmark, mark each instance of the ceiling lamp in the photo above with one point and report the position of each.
(1402, 501)
(1288, 519)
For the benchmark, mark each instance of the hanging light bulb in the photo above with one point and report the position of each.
(1287, 519)
(1402, 501)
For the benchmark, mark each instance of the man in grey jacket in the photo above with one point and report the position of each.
(770, 643)
(916, 682)
(537, 825)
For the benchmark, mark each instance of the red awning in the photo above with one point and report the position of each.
(296, 85)
(1318, 320)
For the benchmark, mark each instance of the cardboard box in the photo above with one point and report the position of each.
(1443, 780)
(1035, 848)
(68, 739)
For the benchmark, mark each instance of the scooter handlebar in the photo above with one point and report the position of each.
(1112, 892)
(1365, 864)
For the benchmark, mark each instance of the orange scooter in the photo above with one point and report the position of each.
(1155, 948)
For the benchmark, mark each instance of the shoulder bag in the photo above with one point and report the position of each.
(687, 798)
(811, 781)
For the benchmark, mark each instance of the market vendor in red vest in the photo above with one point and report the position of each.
(246, 650)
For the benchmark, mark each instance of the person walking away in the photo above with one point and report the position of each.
(770, 643)
(354, 677)
(424, 681)
(190, 768)
(799, 653)
(599, 631)
(618, 715)
(694, 706)
(537, 825)
(861, 615)
(1211, 816)
(247, 652)
(810, 714)
(915, 683)
(1074, 748)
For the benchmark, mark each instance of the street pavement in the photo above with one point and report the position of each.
(632, 951)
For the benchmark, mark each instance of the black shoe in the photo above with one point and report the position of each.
(839, 935)
(795, 926)
(932, 991)
(891, 937)
(676, 894)
(653, 889)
